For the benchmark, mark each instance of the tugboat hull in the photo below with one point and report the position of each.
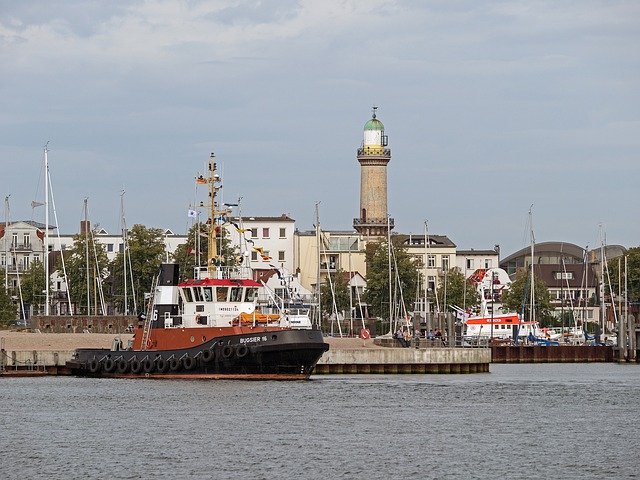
(278, 354)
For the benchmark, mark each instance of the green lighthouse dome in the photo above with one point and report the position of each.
(374, 124)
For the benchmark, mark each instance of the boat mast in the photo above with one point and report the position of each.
(533, 289)
(46, 229)
(123, 227)
(6, 244)
(212, 247)
(318, 290)
(86, 255)
(603, 313)
(389, 270)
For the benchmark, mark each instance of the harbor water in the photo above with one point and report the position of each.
(519, 421)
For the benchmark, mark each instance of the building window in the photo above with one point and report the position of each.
(265, 232)
(14, 240)
(254, 256)
(564, 275)
(283, 232)
(487, 263)
(254, 233)
(431, 261)
(281, 256)
(25, 262)
(445, 262)
(109, 247)
(26, 239)
(121, 247)
(431, 283)
(469, 263)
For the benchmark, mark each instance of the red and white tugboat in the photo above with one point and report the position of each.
(208, 328)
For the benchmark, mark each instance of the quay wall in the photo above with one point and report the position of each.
(404, 360)
(553, 354)
(111, 324)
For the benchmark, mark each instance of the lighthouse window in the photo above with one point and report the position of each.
(236, 294)
(221, 294)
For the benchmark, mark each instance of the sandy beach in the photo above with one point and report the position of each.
(19, 341)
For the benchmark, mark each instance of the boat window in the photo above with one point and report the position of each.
(187, 295)
(250, 294)
(207, 294)
(236, 294)
(221, 294)
(197, 294)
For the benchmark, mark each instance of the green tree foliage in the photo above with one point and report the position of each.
(146, 251)
(80, 261)
(404, 268)
(186, 254)
(518, 294)
(340, 293)
(459, 290)
(8, 311)
(33, 285)
(633, 273)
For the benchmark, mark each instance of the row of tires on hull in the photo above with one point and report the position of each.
(147, 362)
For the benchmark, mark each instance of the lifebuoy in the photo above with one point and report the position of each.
(241, 351)
(174, 364)
(207, 355)
(136, 366)
(227, 352)
(149, 343)
(147, 365)
(109, 365)
(94, 365)
(365, 333)
(161, 365)
(188, 362)
(122, 366)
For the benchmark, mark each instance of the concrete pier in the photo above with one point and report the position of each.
(404, 361)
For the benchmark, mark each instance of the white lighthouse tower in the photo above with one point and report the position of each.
(373, 157)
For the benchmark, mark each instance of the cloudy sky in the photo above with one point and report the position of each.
(489, 107)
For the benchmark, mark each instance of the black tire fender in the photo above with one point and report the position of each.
(94, 365)
(109, 365)
(227, 352)
(188, 362)
(136, 366)
(242, 351)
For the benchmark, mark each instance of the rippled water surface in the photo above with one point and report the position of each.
(519, 421)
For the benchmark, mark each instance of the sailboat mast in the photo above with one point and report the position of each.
(603, 310)
(6, 241)
(86, 255)
(389, 269)
(46, 229)
(533, 289)
(318, 289)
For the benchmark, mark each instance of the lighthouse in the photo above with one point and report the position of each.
(373, 157)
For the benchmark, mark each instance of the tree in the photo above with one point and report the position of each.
(633, 272)
(186, 255)
(33, 285)
(457, 293)
(404, 274)
(340, 293)
(80, 261)
(146, 251)
(8, 312)
(518, 295)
